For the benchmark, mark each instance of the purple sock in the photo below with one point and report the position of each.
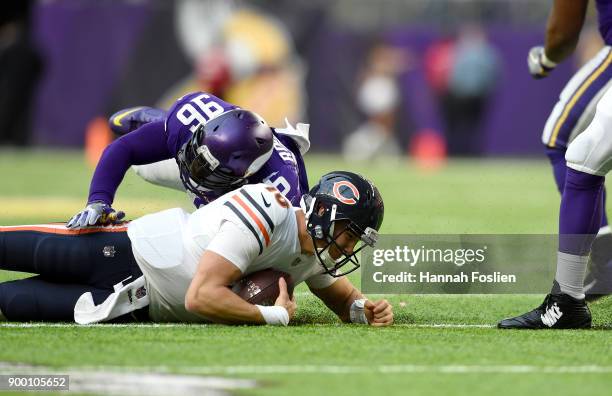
(604, 216)
(557, 160)
(581, 212)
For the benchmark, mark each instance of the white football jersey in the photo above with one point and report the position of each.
(253, 227)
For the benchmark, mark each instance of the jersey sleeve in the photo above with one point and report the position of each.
(257, 209)
(145, 145)
(302, 176)
(320, 281)
(224, 244)
(302, 179)
(284, 170)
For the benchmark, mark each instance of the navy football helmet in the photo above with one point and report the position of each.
(348, 197)
(226, 150)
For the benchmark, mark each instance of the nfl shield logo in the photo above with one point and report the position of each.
(108, 251)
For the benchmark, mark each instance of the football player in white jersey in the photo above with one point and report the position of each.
(173, 266)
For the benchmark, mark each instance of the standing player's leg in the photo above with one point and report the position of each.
(570, 117)
(69, 262)
(589, 158)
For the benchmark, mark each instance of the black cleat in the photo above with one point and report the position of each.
(598, 281)
(558, 311)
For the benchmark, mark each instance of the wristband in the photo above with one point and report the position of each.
(274, 315)
(357, 312)
(547, 62)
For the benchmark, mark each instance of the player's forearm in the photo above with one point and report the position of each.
(344, 308)
(219, 304)
(559, 45)
(109, 173)
(339, 297)
(144, 145)
(563, 28)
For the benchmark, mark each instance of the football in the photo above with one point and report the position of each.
(261, 287)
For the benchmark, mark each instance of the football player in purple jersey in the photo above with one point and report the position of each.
(579, 150)
(202, 145)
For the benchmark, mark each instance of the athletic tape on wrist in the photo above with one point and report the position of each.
(357, 312)
(547, 62)
(274, 315)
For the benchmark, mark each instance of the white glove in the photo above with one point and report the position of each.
(539, 65)
(95, 213)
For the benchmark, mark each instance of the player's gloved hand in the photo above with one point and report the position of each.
(379, 313)
(539, 64)
(283, 299)
(95, 213)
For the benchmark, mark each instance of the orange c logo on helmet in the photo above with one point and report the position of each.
(342, 198)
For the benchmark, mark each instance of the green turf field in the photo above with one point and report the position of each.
(440, 344)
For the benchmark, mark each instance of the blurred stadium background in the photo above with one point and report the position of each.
(420, 77)
(429, 98)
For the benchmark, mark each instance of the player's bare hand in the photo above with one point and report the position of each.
(379, 313)
(95, 213)
(283, 299)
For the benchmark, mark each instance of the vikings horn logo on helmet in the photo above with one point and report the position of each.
(343, 198)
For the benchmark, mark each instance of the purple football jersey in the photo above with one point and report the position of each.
(285, 169)
(162, 139)
(187, 113)
(604, 17)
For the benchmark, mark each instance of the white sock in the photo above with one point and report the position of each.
(571, 270)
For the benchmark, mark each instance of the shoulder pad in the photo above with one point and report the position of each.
(257, 210)
(267, 199)
(299, 134)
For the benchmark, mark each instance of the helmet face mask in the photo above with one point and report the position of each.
(343, 214)
(346, 244)
(222, 153)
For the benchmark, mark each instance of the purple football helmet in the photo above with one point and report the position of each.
(226, 150)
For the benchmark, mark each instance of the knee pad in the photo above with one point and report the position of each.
(591, 151)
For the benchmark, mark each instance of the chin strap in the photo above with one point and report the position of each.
(307, 210)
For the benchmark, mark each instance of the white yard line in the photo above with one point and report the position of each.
(136, 382)
(164, 374)
(394, 369)
(185, 325)
(162, 384)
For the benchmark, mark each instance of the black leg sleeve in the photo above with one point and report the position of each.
(35, 299)
(98, 259)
